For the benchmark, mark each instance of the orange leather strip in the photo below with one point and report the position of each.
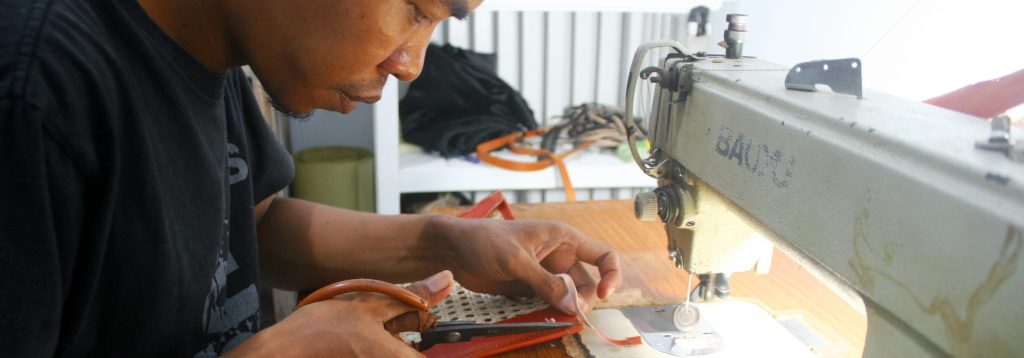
(485, 207)
(483, 152)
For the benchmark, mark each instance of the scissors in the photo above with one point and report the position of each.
(462, 331)
(439, 333)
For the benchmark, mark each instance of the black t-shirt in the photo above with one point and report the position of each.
(128, 177)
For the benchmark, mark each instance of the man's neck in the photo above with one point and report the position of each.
(198, 26)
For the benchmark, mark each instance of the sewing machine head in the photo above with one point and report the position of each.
(904, 204)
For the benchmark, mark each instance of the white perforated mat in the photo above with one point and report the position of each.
(465, 305)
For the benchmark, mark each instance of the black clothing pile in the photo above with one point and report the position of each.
(459, 102)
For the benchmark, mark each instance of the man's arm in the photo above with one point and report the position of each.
(304, 245)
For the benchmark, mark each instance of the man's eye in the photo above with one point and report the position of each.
(417, 14)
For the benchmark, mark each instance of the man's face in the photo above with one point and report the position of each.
(330, 54)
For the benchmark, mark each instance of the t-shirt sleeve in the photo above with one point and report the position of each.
(271, 164)
(31, 279)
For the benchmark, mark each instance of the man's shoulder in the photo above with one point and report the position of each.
(38, 35)
(57, 71)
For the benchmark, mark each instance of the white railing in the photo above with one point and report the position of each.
(557, 54)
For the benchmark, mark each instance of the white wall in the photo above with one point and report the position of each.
(937, 47)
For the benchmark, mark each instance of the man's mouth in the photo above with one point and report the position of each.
(347, 102)
(368, 99)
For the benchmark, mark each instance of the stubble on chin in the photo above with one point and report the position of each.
(296, 115)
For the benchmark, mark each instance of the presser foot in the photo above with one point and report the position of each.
(686, 317)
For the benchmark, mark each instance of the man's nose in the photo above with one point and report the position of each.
(406, 62)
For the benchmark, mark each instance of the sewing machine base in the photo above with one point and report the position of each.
(730, 328)
(658, 328)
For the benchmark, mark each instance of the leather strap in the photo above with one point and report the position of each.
(495, 201)
(483, 152)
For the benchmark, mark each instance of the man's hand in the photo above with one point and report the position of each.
(350, 325)
(522, 257)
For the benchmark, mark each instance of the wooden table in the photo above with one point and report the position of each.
(649, 273)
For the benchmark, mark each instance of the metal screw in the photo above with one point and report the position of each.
(677, 174)
(735, 35)
(453, 337)
(1001, 140)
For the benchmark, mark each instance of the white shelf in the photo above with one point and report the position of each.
(420, 172)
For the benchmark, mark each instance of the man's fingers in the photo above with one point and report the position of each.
(586, 288)
(611, 276)
(434, 288)
(606, 260)
(388, 345)
(545, 284)
(553, 289)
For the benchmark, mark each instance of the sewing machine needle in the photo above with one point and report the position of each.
(689, 284)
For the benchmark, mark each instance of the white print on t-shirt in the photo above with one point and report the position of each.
(229, 321)
(232, 320)
(238, 170)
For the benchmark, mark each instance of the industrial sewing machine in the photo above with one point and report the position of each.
(916, 210)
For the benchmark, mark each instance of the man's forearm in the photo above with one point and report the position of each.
(304, 245)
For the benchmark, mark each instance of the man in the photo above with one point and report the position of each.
(138, 179)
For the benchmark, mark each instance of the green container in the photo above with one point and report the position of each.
(336, 176)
